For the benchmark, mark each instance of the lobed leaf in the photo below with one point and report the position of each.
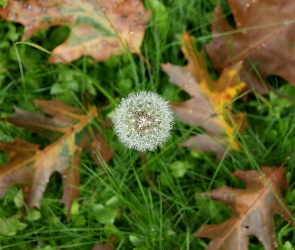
(253, 210)
(263, 38)
(99, 28)
(70, 131)
(211, 101)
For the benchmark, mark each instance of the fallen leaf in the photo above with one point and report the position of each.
(105, 246)
(99, 28)
(253, 210)
(211, 101)
(70, 130)
(264, 37)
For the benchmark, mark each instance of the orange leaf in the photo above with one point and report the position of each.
(211, 101)
(98, 28)
(253, 210)
(70, 130)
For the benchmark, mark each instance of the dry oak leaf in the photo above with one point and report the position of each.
(211, 101)
(253, 210)
(69, 130)
(104, 246)
(99, 28)
(264, 39)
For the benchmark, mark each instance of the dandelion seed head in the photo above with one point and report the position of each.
(143, 121)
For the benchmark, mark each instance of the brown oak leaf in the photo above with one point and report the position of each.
(69, 130)
(104, 246)
(211, 101)
(263, 38)
(99, 28)
(253, 210)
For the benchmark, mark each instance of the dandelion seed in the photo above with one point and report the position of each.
(143, 121)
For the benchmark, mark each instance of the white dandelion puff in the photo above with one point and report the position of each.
(143, 121)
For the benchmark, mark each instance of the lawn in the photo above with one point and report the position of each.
(136, 200)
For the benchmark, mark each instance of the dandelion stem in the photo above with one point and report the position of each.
(147, 174)
(150, 181)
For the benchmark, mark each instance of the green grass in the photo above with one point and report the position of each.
(144, 218)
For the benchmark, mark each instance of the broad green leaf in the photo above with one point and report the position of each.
(136, 240)
(75, 208)
(286, 246)
(179, 168)
(10, 226)
(18, 199)
(159, 15)
(33, 215)
(106, 214)
(3, 3)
